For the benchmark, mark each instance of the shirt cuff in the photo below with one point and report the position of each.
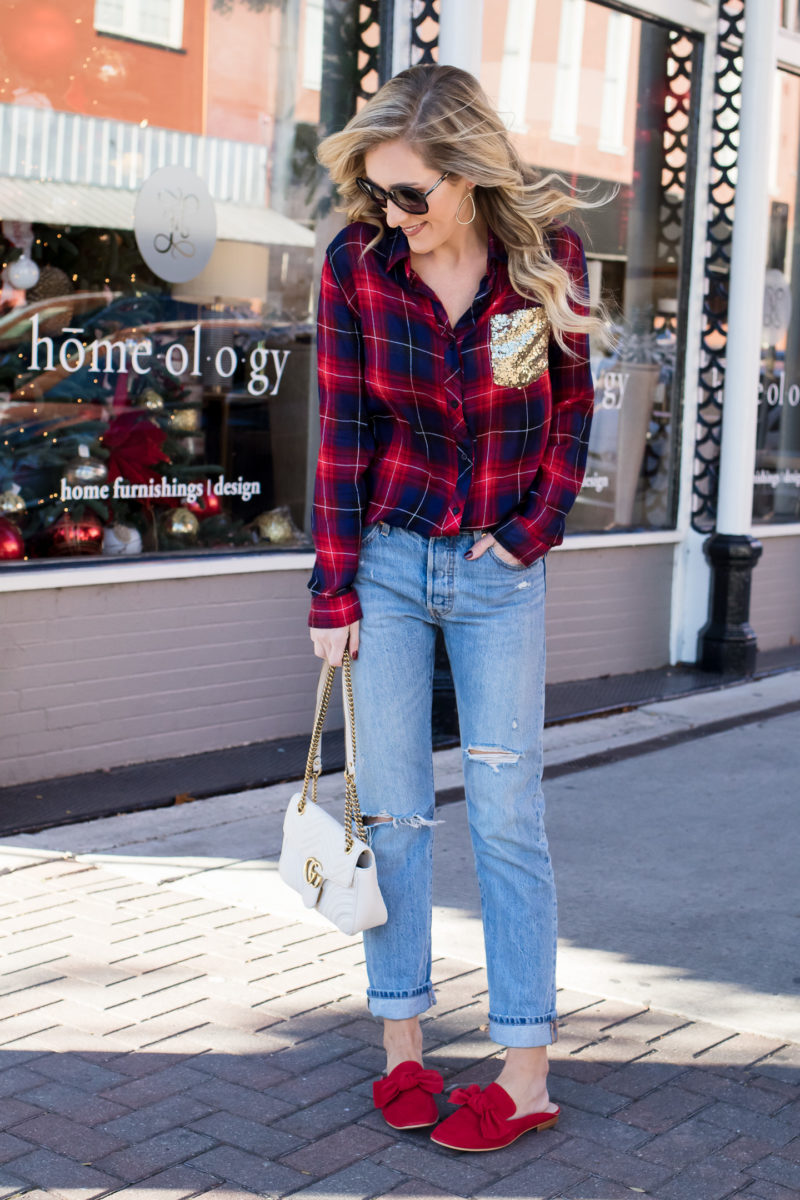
(518, 540)
(334, 612)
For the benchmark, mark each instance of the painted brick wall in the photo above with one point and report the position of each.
(608, 611)
(775, 594)
(102, 676)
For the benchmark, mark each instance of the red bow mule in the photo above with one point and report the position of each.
(405, 1096)
(484, 1121)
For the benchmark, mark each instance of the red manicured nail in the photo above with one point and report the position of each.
(468, 554)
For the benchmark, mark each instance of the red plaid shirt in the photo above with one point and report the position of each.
(420, 426)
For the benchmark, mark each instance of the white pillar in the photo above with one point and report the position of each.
(461, 34)
(748, 266)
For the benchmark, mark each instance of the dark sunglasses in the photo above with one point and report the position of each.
(410, 199)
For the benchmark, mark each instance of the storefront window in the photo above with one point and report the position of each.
(606, 98)
(776, 491)
(157, 275)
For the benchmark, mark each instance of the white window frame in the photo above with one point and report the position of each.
(566, 99)
(615, 83)
(512, 100)
(130, 25)
(312, 44)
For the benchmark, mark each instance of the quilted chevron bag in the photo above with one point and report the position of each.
(331, 867)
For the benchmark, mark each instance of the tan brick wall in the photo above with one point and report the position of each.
(775, 594)
(106, 675)
(608, 611)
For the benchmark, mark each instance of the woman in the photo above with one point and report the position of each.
(455, 403)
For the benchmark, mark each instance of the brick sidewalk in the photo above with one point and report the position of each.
(156, 1045)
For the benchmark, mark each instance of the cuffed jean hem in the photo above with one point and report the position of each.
(523, 1033)
(399, 1008)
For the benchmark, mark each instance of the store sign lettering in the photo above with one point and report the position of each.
(596, 483)
(265, 367)
(612, 392)
(787, 477)
(777, 395)
(160, 489)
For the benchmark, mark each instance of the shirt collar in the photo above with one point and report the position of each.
(397, 247)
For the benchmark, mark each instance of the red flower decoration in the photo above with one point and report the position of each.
(134, 444)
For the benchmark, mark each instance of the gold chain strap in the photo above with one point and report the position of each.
(352, 807)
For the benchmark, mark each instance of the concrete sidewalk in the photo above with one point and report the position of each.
(173, 1024)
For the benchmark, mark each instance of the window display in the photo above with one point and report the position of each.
(776, 490)
(155, 313)
(606, 100)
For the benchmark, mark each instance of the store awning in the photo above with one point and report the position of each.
(80, 204)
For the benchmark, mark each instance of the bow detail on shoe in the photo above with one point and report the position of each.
(487, 1105)
(404, 1077)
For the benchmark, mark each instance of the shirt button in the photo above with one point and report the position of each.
(454, 404)
(456, 510)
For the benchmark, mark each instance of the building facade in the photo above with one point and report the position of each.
(163, 224)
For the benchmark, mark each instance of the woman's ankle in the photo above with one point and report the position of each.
(402, 1041)
(524, 1077)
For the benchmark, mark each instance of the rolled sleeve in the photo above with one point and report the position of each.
(346, 448)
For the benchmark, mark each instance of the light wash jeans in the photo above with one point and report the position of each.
(492, 617)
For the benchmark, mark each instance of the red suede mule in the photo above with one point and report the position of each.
(405, 1096)
(484, 1120)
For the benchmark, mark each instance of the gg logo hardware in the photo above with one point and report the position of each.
(313, 872)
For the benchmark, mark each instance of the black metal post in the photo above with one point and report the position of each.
(727, 643)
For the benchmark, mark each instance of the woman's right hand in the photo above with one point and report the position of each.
(330, 643)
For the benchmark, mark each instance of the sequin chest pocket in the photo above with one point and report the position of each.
(518, 342)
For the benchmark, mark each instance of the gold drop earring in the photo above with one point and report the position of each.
(474, 209)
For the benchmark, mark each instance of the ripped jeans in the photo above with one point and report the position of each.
(492, 617)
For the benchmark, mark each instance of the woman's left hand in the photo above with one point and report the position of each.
(482, 545)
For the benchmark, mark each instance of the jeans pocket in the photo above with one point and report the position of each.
(369, 532)
(508, 566)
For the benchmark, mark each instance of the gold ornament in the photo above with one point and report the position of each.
(12, 505)
(275, 526)
(151, 399)
(519, 346)
(180, 523)
(185, 420)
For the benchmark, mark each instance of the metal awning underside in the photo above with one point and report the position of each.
(80, 204)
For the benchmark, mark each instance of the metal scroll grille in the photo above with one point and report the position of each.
(375, 27)
(424, 31)
(721, 196)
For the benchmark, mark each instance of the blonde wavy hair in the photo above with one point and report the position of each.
(449, 121)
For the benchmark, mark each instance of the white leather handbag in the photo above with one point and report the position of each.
(332, 868)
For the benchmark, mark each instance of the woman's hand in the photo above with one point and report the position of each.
(482, 545)
(330, 643)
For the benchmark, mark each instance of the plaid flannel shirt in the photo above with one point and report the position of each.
(416, 431)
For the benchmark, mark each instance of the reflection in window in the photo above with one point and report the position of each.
(635, 244)
(140, 413)
(516, 66)
(568, 71)
(776, 492)
(615, 83)
(158, 21)
(312, 45)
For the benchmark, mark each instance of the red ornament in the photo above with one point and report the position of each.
(11, 543)
(206, 505)
(68, 536)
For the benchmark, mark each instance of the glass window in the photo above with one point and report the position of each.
(776, 492)
(158, 21)
(607, 99)
(157, 241)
